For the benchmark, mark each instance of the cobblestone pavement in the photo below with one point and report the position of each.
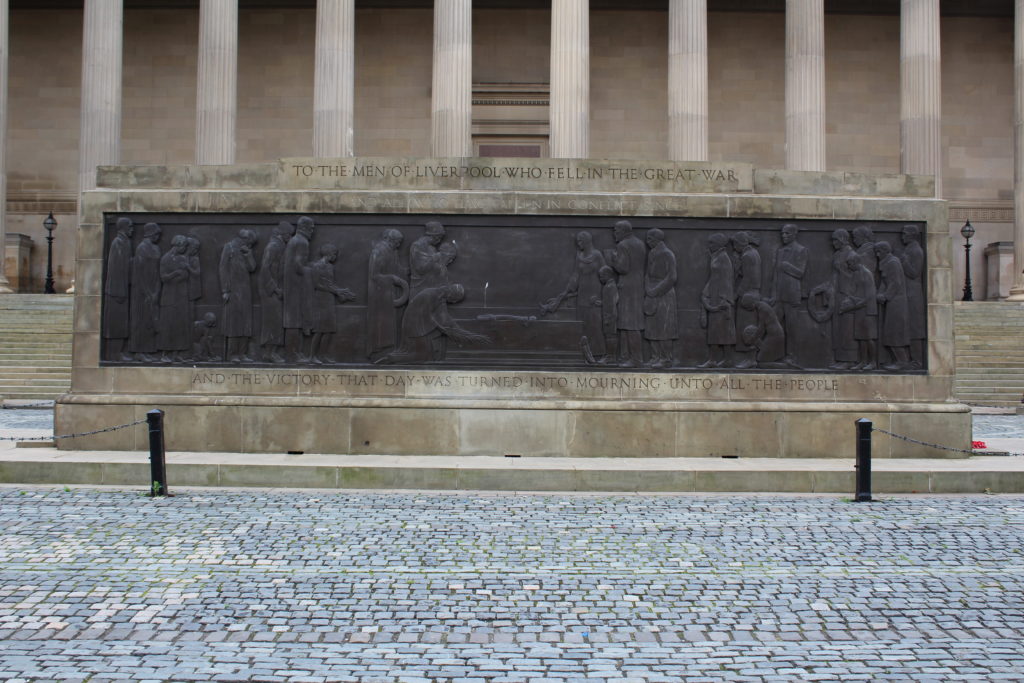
(324, 586)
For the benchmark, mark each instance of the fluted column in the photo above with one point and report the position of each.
(216, 94)
(688, 80)
(1017, 290)
(921, 90)
(452, 104)
(570, 79)
(805, 85)
(334, 78)
(5, 42)
(100, 134)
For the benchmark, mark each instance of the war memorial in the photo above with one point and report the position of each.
(476, 306)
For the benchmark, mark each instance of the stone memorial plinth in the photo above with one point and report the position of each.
(513, 307)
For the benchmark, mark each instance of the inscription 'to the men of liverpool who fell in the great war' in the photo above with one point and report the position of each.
(514, 292)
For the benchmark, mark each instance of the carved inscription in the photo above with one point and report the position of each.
(513, 292)
(438, 171)
(604, 383)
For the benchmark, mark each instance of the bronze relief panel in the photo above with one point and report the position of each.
(514, 292)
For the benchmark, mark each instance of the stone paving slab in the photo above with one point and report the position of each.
(1003, 433)
(240, 585)
(993, 474)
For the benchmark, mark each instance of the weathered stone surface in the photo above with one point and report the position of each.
(578, 411)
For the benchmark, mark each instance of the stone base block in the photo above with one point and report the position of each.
(374, 427)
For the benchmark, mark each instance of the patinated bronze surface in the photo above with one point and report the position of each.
(515, 292)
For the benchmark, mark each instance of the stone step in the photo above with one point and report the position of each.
(35, 345)
(58, 361)
(36, 383)
(32, 394)
(992, 384)
(18, 371)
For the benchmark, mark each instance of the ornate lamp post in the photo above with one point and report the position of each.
(50, 224)
(968, 232)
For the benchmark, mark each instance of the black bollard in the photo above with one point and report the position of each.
(863, 494)
(157, 462)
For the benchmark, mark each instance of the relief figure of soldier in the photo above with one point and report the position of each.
(145, 295)
(387, 290)
(787, 287)
(237, 264)
(270, 282)
(585, 285)
(429, 258)
(117, 290)
(195, 279)
(325, 292)
(912, 259)
(174, 334)
(892, 295)
(661, 328)
(628, 259)
(298, 291)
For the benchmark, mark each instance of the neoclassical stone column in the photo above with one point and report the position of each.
(5, 286)
(334, 79)
(688, 80)
(100, 133)
(216, 95)
(805, 85)
(1017, 290)
(452, 105)
(921, 90)
(570, 79)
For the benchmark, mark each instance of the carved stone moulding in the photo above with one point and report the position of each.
(595, 293)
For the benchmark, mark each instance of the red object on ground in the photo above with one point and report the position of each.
(978, 444)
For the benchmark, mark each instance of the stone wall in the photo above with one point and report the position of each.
(539, 412)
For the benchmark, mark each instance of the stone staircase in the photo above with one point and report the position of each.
(989, 352)
(35, 345)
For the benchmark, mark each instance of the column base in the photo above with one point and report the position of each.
(1016, 294)
(5, 286)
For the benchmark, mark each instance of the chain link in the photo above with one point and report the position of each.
(71, 436)
(925, 443)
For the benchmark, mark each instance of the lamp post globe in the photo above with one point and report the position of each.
(967, 232)
(50, 224)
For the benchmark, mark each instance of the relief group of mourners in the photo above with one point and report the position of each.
(871, 304)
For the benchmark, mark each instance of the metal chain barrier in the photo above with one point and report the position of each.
(72, 436)
(930, 445)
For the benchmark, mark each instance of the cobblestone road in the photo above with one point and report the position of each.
(318, 586)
